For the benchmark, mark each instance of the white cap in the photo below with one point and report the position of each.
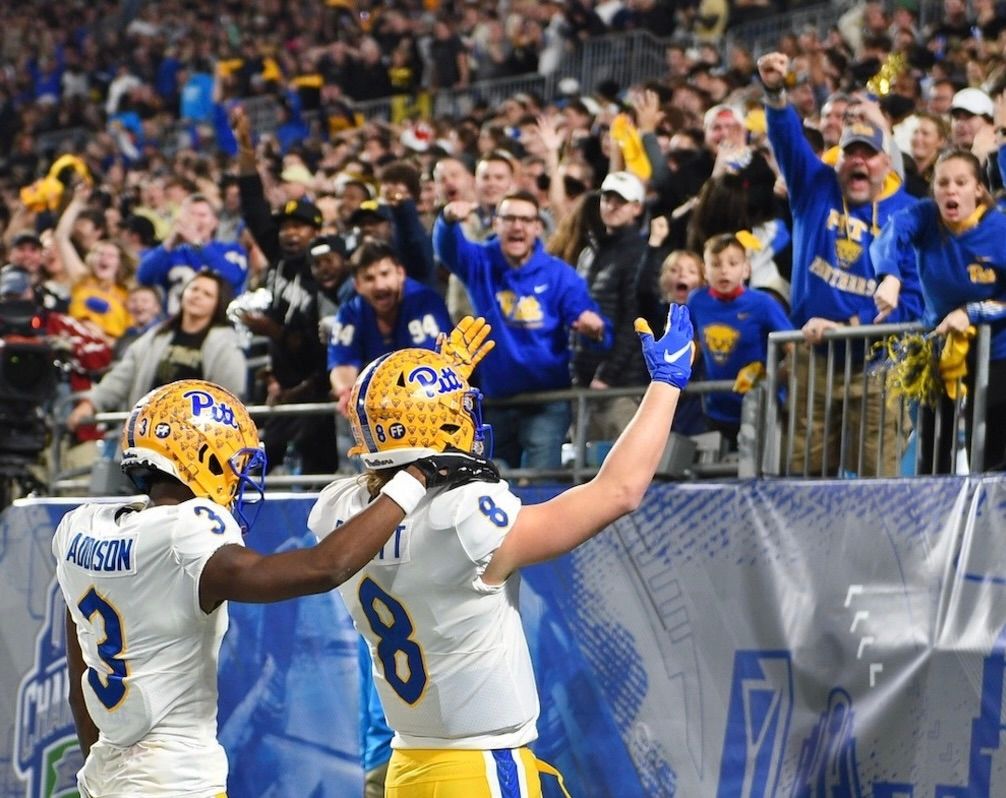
(974, 101)
(626, 185)
(723, 109)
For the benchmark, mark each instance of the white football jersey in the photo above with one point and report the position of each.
(130, 577)
(451, 662)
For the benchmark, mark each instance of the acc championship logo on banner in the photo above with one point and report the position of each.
(46, 755)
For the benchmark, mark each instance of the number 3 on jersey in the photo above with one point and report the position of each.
(395, 640)
(112, 690)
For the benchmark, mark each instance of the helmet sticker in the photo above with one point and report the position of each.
(397, 431)
(203, 404)
(161, 430)
(444, 382)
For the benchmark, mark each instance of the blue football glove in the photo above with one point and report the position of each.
(669, 359)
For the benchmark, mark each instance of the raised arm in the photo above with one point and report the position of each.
(74, 266)
(544, 531)
(451, 247)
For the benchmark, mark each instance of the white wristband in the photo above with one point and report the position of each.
(405, 490)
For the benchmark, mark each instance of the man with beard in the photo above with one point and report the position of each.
(837, 212)
(390, 311)
(297, 373)
(533, 301)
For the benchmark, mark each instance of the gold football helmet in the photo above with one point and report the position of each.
(411, 404)
(200, 434)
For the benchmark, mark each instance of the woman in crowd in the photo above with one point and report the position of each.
(99, 279)
(958, 240)
(578, 229)
(196, 343)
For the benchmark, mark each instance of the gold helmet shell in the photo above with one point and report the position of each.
(411, 404)
(198, 433)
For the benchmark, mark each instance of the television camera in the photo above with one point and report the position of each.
(29, 371)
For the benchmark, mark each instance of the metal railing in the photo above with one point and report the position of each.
(767, 442)
(762, 35)
(841, 413)
(64, 481)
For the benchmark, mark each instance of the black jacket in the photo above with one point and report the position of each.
(610, 268)
(297, 355)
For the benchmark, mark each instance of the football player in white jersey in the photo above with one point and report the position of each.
(145, 585)
(438, 605)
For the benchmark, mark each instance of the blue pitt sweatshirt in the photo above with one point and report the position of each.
(963, 269)
(823, 285)
(732, 333)
(530, 308)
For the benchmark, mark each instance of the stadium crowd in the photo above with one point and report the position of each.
(754, 190)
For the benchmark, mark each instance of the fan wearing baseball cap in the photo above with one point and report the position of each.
(609, 266)
(837, 212)
(297, 354)
(971, 113)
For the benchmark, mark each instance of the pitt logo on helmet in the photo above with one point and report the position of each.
(446, 382)
(205, 405)
(199, 434)
(410, 404)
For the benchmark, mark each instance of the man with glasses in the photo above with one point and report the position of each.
(532, 300)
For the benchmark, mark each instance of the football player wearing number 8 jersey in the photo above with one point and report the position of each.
(438, 606)
(146, 585)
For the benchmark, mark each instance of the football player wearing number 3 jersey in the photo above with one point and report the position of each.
(438, 605)
(146, 585)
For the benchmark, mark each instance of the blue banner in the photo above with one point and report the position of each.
(754, 639)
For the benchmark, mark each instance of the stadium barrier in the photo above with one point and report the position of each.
(679, 460)
(768, 444)
(852, 364)
(763, 35)
(745, 640)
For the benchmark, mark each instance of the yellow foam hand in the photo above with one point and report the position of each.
(954, 361)
(748, 240)
(624, 132)
(467, 344)
(749, 376)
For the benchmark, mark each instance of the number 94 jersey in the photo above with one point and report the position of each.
(451, 662)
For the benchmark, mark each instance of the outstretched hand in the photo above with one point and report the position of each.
(466, 344)
(452, 469)
(669, 358)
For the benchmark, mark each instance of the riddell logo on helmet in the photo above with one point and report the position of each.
(203, 404)
(378, 463)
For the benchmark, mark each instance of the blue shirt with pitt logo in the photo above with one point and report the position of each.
(833, 273)
(732, 333)
(958, 269)
(531, 309)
